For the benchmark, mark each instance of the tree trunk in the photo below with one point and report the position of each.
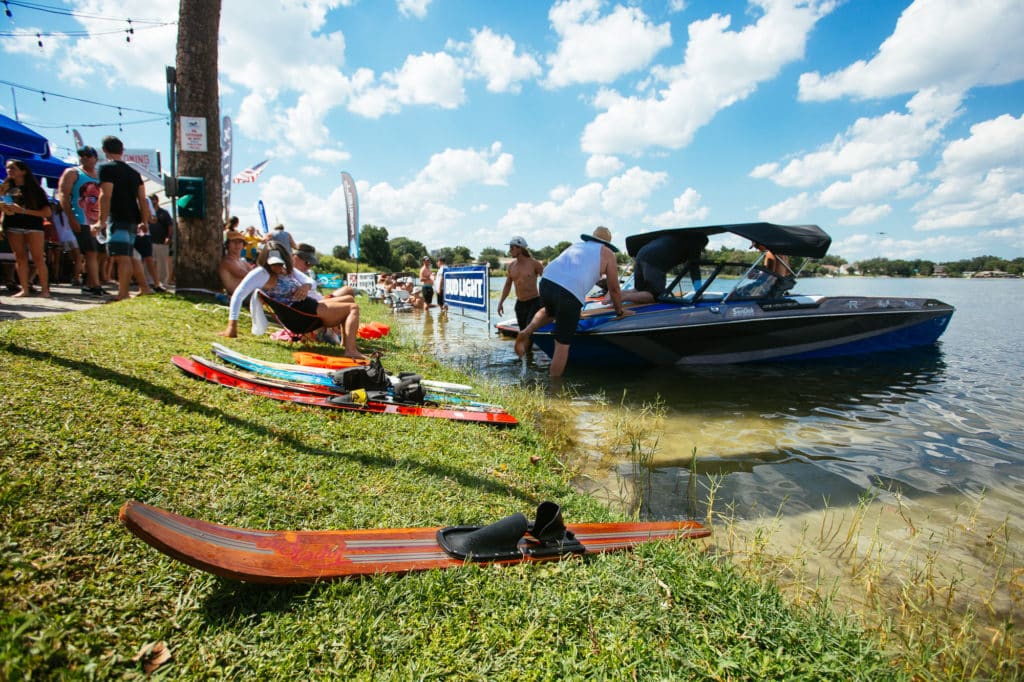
(199, 239)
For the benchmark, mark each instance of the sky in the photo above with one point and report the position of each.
(896, 126)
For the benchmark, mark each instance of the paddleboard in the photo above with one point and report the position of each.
(279, 557)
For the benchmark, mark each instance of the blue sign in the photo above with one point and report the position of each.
(329, 281)
(467, 286)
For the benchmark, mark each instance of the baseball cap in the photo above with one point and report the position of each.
(87, 151)
(275, 258)
(518, 241)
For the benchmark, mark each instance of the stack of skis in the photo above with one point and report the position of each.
(361, 386)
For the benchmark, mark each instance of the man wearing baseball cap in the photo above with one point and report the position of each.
(563, 290)
(523, 272)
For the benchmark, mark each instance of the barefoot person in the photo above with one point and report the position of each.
(563, 290)
(523, 272)
(232, 268)
(25, 205)
(278, 279)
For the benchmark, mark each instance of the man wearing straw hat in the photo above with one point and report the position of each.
(563, 290)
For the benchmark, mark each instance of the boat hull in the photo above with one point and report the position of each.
(798, 328)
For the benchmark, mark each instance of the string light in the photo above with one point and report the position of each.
(83, 101)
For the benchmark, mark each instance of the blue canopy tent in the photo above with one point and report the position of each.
(20, 142)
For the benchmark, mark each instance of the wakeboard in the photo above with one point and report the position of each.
(351, 402)
(280, 557)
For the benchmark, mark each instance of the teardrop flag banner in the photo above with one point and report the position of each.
(352, 209)
(225, 165)
(263, 217)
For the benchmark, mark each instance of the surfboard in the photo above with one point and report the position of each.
(455, 413)
(306, 556)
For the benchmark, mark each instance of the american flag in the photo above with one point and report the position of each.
(250, 174)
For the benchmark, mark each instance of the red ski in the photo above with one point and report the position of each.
(269, 556)
(494, 416)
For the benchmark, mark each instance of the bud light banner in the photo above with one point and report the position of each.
(468, 287)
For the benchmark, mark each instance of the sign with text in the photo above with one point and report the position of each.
(193, 133)
(367, 281)
(468, 287)
(148, 159)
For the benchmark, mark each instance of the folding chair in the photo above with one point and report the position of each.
(298, 322)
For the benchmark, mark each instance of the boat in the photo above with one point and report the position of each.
(742, 312)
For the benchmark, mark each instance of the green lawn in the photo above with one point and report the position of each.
(93, 414)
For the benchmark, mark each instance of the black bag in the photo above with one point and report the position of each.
(409, 390)
(372, 377)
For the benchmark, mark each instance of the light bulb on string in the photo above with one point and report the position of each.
(130, 32)
(41, 92)
(7, 10)
(39, 40)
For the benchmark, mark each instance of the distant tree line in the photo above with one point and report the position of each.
(401, 254)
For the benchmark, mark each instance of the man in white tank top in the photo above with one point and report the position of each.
(563, 290)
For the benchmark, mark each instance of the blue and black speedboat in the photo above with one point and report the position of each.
(756, 319)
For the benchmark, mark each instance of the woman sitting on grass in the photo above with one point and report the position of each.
(278, 280)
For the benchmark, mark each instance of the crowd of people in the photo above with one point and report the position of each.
(100, 219)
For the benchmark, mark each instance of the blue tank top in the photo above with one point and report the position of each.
(576, 269)
(284, 290)
(87, 198)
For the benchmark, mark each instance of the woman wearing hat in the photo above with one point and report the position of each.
(563, 290)
(300, 314)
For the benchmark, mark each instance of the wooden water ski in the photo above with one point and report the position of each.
(269, 556)
(195, 369)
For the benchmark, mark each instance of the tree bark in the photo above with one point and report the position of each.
(200, 239)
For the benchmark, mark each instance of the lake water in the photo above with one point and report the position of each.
(936, 434)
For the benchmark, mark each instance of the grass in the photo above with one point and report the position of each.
(94, 414)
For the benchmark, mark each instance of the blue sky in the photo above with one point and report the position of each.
(896, 126)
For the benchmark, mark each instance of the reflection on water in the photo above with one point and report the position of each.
(940, 421)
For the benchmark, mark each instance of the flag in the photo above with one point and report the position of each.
(225, 165)
(263, 217)
(352, 212)
(250, 174)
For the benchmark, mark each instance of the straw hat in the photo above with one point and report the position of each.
(602, 235)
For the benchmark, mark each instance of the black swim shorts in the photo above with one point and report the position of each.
(647, 277)
(525, 310)
(564, 307)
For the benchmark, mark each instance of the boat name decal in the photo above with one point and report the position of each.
(745, 311)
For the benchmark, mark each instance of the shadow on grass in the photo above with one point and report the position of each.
(167, 396)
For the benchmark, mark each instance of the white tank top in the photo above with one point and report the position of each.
(576, 269)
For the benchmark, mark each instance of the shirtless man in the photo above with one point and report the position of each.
(427, 282)
(523, 272)
(232, 268)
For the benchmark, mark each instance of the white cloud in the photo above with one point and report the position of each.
(424, 79)
(869, 142)
(413, 8)
(879, 245)
(980, 179)
(494, 59)
(793, 209)
(626, 195)
(598, 49)
(566, 214)
(867, 186)
(721, 67)
(686, 210)
(951, 44)
(421, 207)
(602, 165)
(862, 215)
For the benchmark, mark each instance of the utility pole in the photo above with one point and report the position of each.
(199, 238)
